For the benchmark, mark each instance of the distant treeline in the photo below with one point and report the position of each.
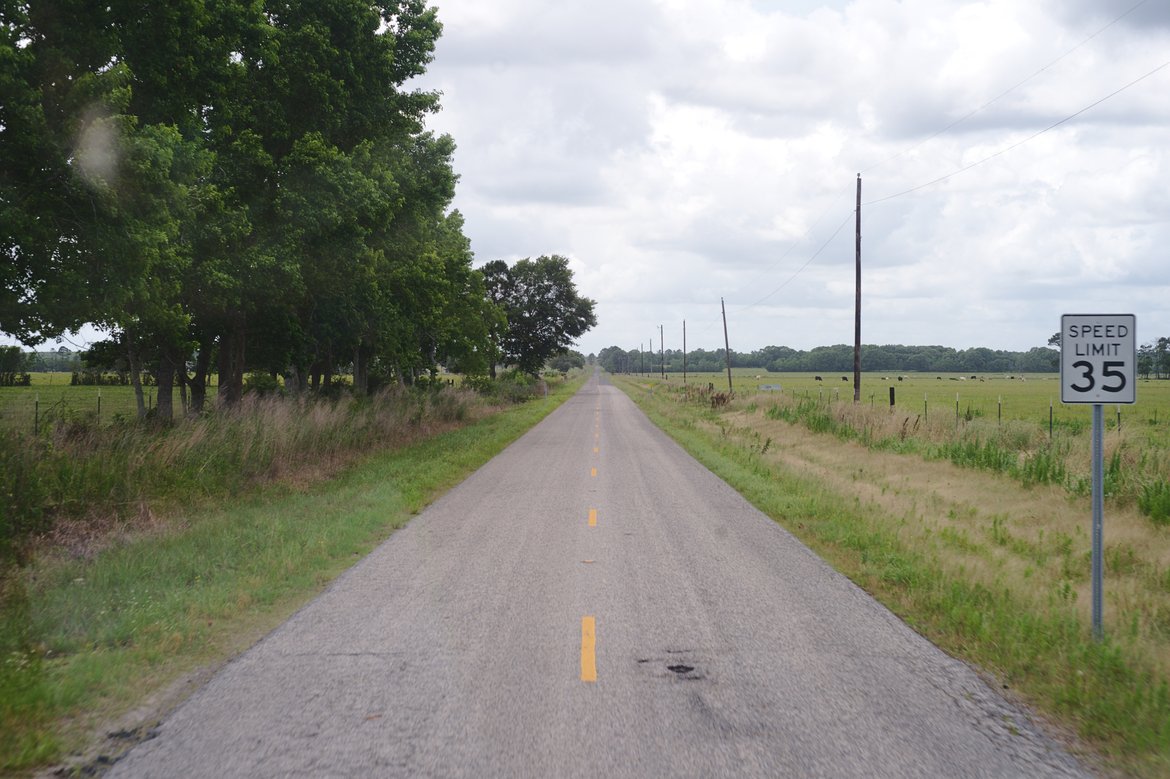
(839, 358)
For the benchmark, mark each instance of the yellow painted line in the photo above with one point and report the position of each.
(595, 450)
(588, 649)
(592, 471)
(592, 517)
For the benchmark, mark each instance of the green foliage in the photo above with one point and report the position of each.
(839, 359)
(235, 182)
(1154, 501)
(544, 312)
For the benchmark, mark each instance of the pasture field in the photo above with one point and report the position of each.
(1014, 425)
(52, 398)
(1026, 397)
(976, 532)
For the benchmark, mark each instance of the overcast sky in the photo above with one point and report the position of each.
(679, 151)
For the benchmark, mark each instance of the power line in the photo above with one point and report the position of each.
(807, 262)
(950, 126)
(1003, 94)
(1018, 144)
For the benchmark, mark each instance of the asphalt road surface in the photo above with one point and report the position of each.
(594, 602)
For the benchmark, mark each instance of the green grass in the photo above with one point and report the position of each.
(1001, 425)
(1026, 397)
(84, 640)
(1109, 692)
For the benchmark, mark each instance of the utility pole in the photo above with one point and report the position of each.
(684, 352)
(651, 350)
(857, 307)
(661, 352)
(726, 347)
(641, 360)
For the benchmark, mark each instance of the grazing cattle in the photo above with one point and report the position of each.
(938, 378)
(901, 377)
(844, 378)
(973, 378)
(818, 378)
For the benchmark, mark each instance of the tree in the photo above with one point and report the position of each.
(567, 361)
(545, 314)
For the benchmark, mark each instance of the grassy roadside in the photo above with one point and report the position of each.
(102, 646)
(955, 578)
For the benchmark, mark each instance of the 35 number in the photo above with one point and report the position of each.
(1108, 371)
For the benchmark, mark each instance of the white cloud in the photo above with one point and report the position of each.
(680, 151)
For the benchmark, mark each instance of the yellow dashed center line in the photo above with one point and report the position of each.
(592, 471)
(592, 517)
(588, 649)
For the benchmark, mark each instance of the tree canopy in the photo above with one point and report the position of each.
(544, 312)
(839, 358)
(245, 185)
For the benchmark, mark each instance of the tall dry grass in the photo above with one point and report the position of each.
(1137, 468)
(78, 479)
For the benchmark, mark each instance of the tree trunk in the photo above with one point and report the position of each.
(361, 371)
(181, 377)
(165, 380)
(231, 367)
(135, 365)
(198, 382)
(296, 382)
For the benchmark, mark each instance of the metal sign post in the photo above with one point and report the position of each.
(1098, 364)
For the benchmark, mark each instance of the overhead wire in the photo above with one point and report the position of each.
(946, 129)
(1004, 93)
(965, 168)
(1020, 143)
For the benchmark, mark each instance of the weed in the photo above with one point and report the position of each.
(1154, 501)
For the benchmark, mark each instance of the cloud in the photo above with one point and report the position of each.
(682, 151)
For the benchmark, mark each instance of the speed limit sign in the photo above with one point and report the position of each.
(1098, 358)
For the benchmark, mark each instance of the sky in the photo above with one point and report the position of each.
(1015, 163)
(680, 152)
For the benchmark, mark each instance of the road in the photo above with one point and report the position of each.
(594, 602)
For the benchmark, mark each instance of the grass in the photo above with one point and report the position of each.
(991, 570)
(52, 398)
(1015, 438)
(85, 639)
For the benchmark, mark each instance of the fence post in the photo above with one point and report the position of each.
(99, 410)
(1050, 419)
(999, 412)
(37, 414)
(956, 409)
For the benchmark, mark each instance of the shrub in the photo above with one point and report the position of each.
(261, 383)
(1154, 501)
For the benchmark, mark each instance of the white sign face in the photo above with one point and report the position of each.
(1098, 358)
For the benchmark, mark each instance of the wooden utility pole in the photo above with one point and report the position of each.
(661, 352)
(684, 352)
(726, 347)
(857, 307)
(641, 360)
